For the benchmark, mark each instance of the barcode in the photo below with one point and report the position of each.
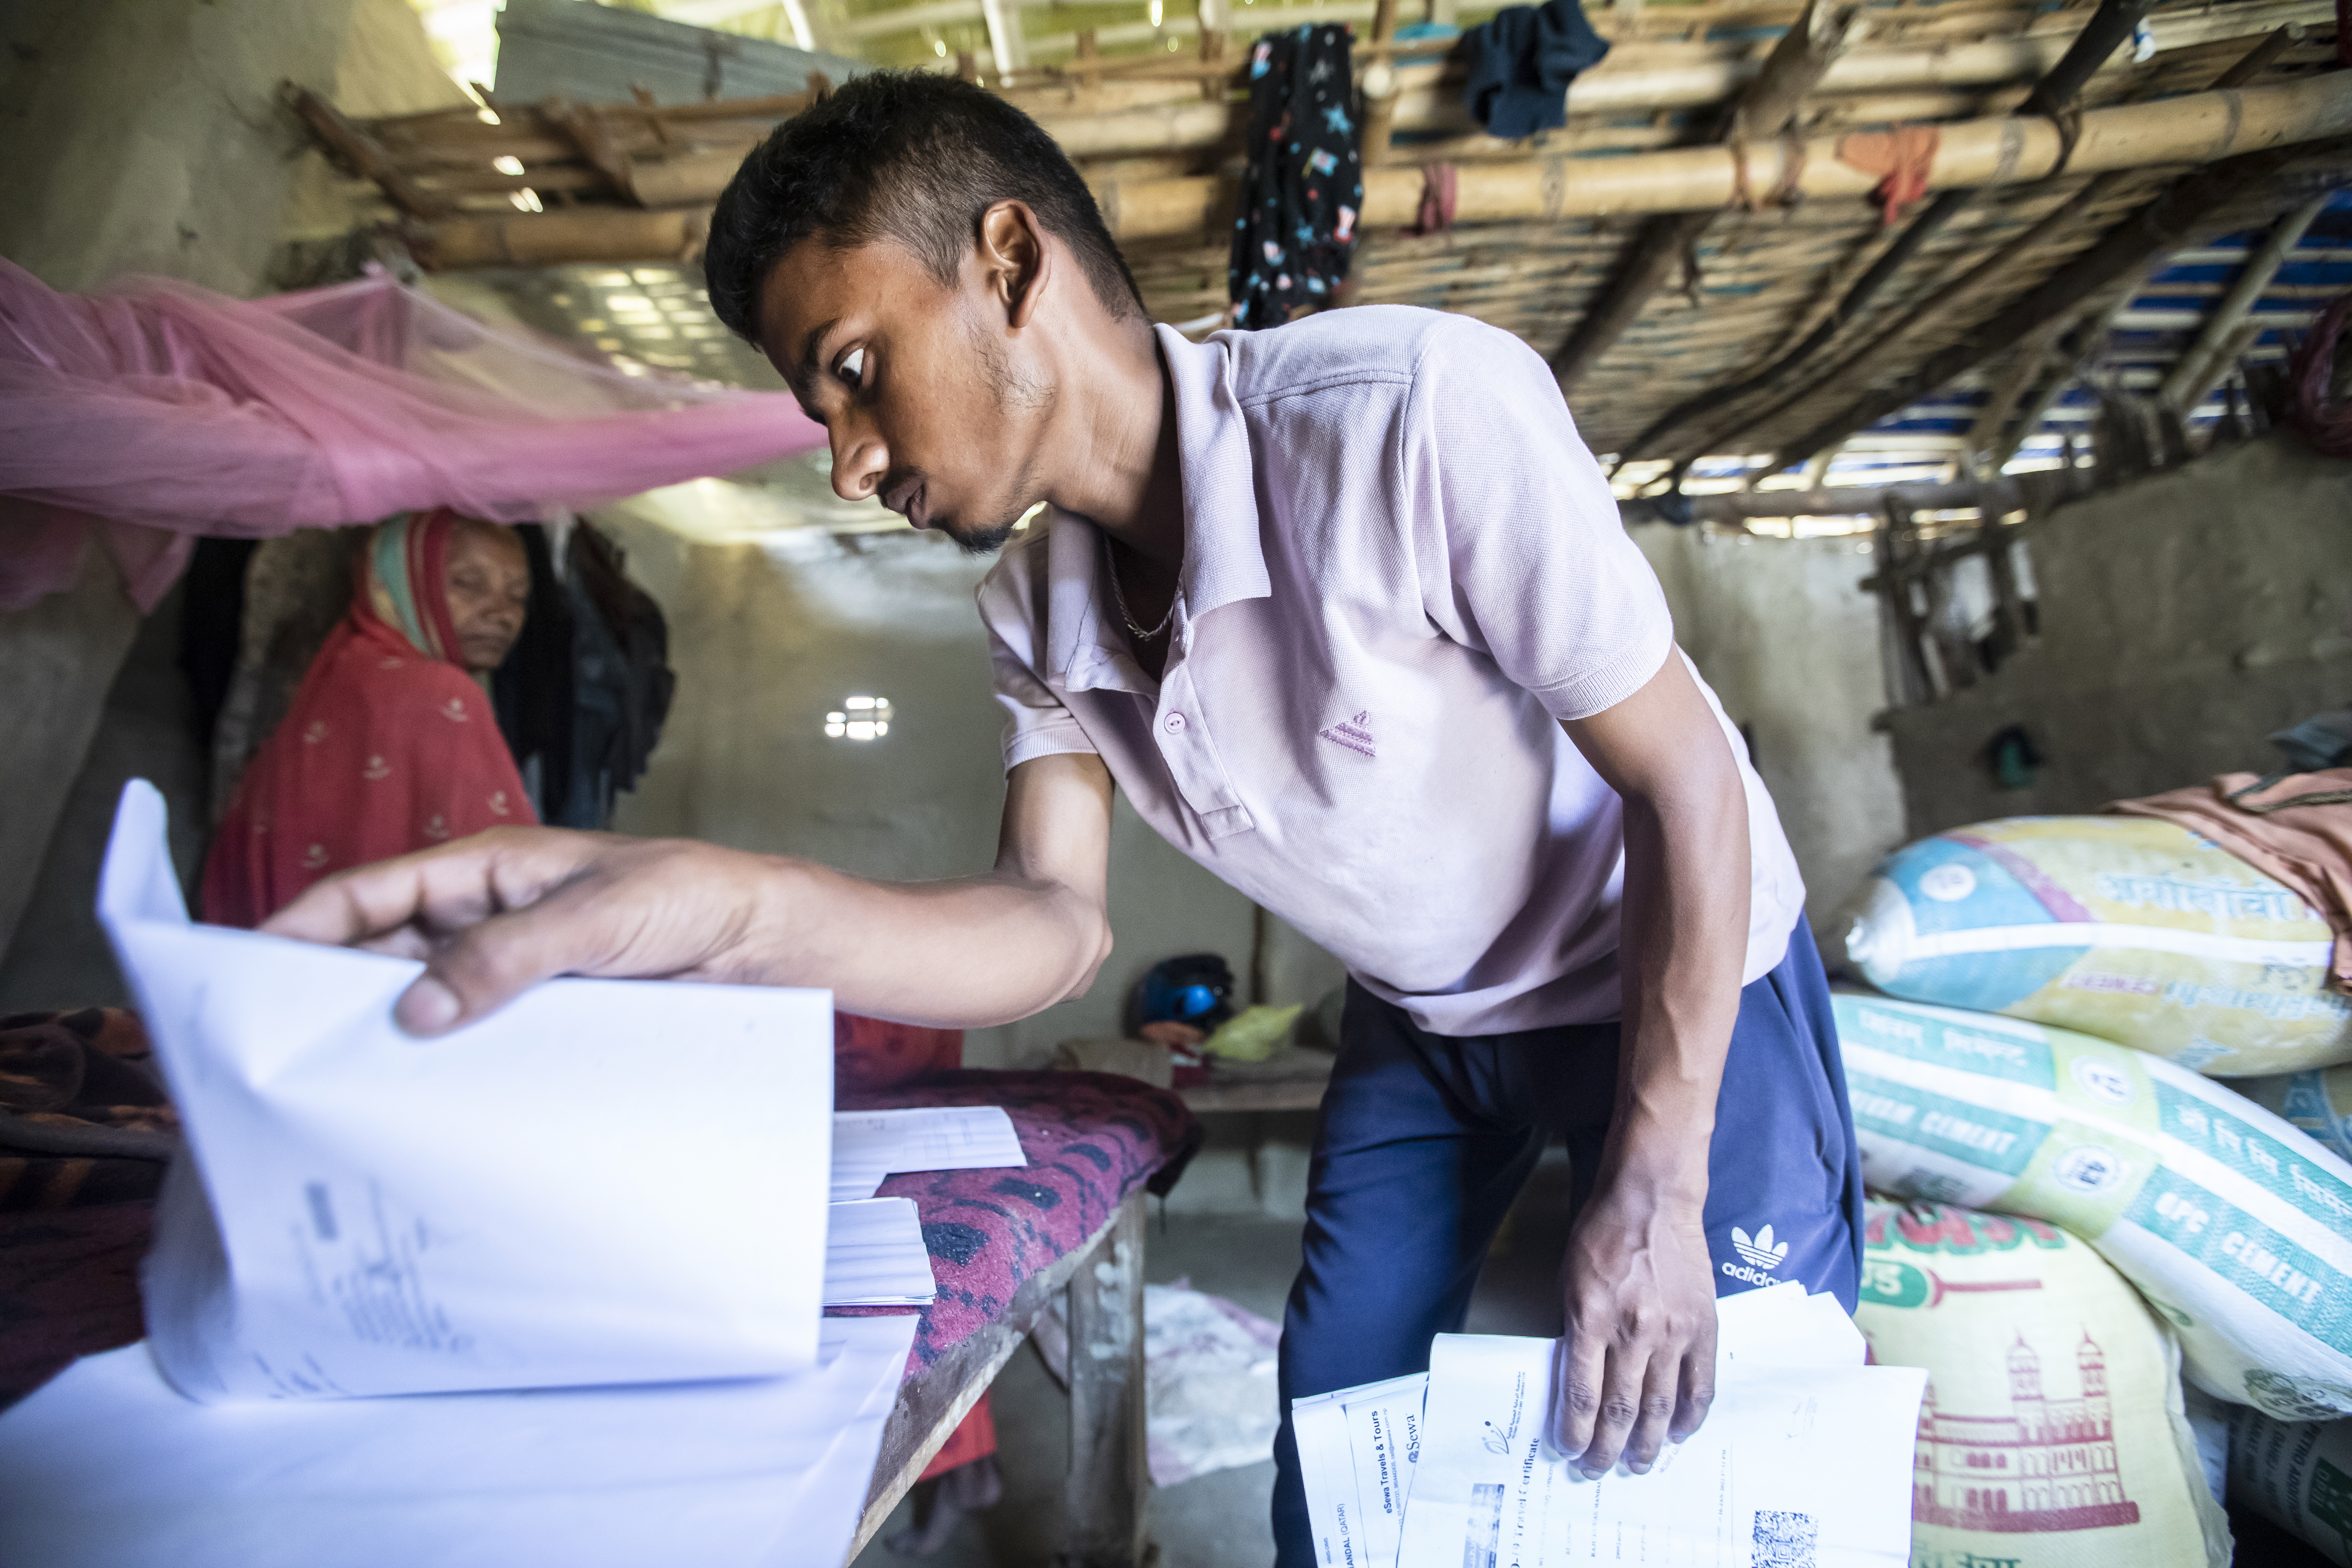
(1484, 1538)
(1783, 1539)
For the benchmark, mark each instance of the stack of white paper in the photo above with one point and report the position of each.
(875, 1256)
(1804, 1460)
(605, 1181)
(1357, 1450)
(868, 1145)
(107, 1468)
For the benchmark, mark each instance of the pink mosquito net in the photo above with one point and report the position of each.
(156, 412)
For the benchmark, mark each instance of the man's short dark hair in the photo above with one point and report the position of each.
(904, 155)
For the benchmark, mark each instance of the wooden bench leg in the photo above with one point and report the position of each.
(1106, 1496)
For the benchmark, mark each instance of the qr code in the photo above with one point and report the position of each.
(1783, 1539)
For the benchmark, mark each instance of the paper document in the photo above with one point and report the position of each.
(558, 1194)
(1797, 1466)
(875, 1256)
(1782, 1326)
(1357, 1450)
(868, 1145)
(107, 1468)
(1804, 1460)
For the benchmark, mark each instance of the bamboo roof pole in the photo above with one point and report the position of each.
(796, 17)
(2022, 371)
(2194, 373)
(366, 158)
(2160, 226)
(2030, 493)
(1215, 20)
(2219, 364)
(575, 234)
(1765, 109)
(1994, 272)
(2055, 375)
(2177, 131)
(593, 138)
(1008, 50)
(1380, 90)
(2064, 360)
(1987, 276)
(1429, 99)
(1997, 150)
(2052, 96)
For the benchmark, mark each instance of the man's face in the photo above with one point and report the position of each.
(916, 384)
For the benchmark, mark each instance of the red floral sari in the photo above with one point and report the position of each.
(389, 745)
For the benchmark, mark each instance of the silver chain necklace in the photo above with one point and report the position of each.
(1119, 595)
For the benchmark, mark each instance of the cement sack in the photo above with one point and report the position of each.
(2235, 1225)
(2297, 1474)
(2318, 1101)
(2053, 1432)
(2128, 928)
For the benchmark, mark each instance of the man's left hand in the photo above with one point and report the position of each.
(1637, 1366)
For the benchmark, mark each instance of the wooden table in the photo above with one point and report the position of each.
(1292, 1080)
(1104, 1496)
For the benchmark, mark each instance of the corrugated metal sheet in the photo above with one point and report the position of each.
(597, 54)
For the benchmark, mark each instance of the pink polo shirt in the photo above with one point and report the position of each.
(1401, 566)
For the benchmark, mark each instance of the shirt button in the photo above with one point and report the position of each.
(1175, 724)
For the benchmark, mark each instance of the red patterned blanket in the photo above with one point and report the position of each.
(68, 1277)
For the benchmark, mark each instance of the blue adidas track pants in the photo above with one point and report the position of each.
(1423, 1141)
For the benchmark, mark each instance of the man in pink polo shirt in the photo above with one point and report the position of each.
(1346, 610)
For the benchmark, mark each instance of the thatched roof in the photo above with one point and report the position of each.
(1988, 337)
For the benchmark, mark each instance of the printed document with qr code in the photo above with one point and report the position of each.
(1800, 1464)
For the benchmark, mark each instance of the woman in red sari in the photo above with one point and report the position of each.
(391, 744)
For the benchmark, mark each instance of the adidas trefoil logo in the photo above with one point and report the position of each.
(1353, 733)
(1757, 1249)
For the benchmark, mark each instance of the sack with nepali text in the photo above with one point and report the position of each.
(2053, 1416)
(2235, 1225)
(2318, 1101)
(2297, 1474)
(2131, 929)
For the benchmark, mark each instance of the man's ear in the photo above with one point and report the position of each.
(1015, 258)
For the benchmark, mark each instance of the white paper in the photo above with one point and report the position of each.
(107, 1468)
(868, 1145)
(605, 1181)
(1358, 1446)
(1384, 1439)
(1779, 1325)
(1367, 1442)
(1808, 1465)
(875, 1256)
(1327, 1469)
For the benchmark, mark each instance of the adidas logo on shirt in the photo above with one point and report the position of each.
(1354, 733)
(1759, 1250)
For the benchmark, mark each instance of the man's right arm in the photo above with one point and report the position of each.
(497, 913)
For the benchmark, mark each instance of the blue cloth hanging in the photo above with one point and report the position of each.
(1522, 63)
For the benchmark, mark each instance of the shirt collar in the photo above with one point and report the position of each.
(1225, 559)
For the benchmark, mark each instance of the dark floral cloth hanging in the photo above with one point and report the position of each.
(1296, 229)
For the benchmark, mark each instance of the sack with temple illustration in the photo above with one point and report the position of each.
(2053, 1432)
(2235, 1227)
(2131, 929)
